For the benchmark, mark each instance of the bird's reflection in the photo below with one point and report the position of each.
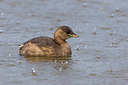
(47, 59)
(58, 63)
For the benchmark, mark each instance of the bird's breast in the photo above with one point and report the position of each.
(66, 50)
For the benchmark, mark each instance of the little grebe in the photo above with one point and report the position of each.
(46, 46)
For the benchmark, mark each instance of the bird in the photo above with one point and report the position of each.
(52, 47)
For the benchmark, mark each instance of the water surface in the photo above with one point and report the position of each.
(100, 55)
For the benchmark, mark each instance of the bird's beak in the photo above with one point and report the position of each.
(73, 35)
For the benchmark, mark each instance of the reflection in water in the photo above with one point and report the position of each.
(47, 59)
(58, 63)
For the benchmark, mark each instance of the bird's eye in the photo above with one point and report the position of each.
(68, 32)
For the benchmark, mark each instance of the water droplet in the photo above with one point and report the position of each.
(1, 31)
(85, 4)
(9, 54)
(94, 30)
(98, 56)
(62, 62)
(58, 20)
(18, 22)
(66, 62)
(55, 61)
(115, 32)
(60, 69)
(2, 14)
(94, 33)
(19, 61)
(33, 70)
(75, 54)
(112, 15)
(117, 10)
(111, 44)
(77, 47)
(115, 41)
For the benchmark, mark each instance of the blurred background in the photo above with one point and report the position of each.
(100, 54)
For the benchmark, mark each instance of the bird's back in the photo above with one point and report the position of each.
(43, 41)
(39, 46)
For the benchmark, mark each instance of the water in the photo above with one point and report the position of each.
(100, 55)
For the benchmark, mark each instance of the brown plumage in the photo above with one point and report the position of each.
(46, 46)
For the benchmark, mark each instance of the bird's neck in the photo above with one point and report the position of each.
(59, 40)
(66, 50)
